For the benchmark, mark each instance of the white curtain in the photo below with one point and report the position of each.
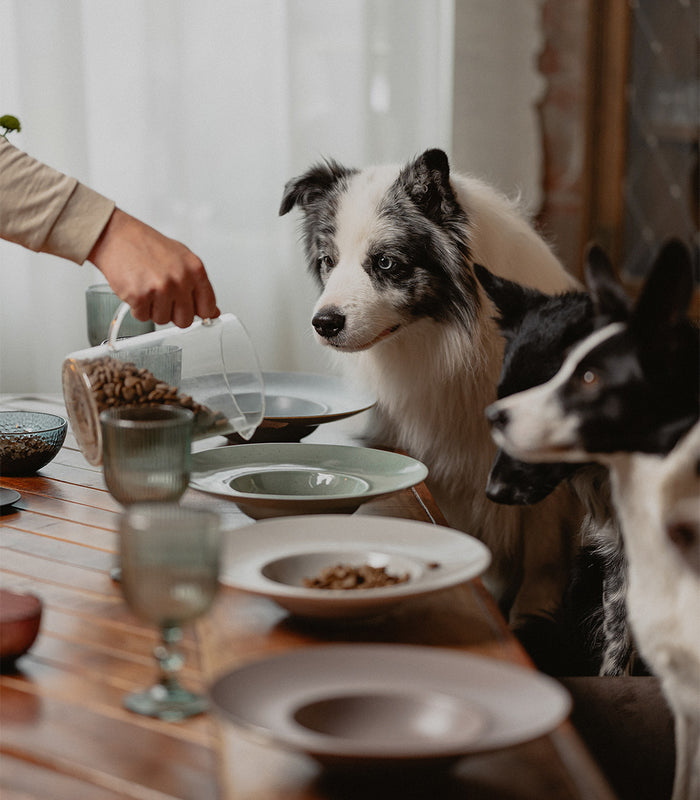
(192, 116)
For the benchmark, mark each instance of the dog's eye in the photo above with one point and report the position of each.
(590, 378)
(325, 262)
(385, 262)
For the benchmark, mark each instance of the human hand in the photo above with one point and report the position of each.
(158, 277)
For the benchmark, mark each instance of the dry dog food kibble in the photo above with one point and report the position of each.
(23, 447)
(343, 576)
(121, 383)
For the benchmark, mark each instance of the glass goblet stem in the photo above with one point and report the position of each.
(167, 699)
(170, 660)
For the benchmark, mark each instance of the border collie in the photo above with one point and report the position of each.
(625, 397)
(631, 386)
(392, 249)
(591, 635)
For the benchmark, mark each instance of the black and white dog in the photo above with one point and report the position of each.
(631, 386)
(393, 250)
(627, 396)
(591, 635)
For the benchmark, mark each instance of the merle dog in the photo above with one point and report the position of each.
(392, 248)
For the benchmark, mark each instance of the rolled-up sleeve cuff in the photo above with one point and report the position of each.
(79, 225)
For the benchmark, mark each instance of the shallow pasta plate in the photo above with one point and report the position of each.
(296, 403)
(287, 478)
(386, 703)
(273, 558)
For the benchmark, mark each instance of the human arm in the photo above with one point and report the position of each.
(46, 211)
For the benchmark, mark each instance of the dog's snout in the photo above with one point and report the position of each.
(497, 416)
(328, 322)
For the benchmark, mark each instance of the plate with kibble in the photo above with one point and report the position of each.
(348, 567)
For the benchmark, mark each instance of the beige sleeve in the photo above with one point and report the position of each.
(46, 211)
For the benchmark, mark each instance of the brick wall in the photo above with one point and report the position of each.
(562, 111)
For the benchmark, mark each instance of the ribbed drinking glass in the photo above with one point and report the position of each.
(146, 452)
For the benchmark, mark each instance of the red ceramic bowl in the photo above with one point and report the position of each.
(20, 618)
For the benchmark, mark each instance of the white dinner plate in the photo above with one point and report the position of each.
(388, 702)
(286, 478)
(272, 558)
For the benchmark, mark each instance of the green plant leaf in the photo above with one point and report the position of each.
(9, 123)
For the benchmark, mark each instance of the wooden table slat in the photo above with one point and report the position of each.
(27, 780)
(102, 693)
(104, 749)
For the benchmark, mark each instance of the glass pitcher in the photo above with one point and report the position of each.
(211, 368)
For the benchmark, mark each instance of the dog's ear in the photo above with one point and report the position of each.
(426, 181)
(609, 298)
(512, 300)
(668, 290)
(312, 185)
(667, 342)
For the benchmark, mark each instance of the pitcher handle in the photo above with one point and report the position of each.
(115, 324)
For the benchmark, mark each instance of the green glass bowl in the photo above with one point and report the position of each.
(29, 440)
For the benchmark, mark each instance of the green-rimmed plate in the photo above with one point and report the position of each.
(287, 478)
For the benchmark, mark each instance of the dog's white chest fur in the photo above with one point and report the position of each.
(663, 594)
(663, 598)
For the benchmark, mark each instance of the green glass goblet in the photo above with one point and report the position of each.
(170, 560)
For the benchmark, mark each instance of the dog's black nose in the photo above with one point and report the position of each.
(328, 322)
(498, 417)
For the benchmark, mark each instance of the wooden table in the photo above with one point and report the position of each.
(65, 734)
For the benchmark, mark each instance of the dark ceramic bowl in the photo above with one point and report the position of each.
(29, 440)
